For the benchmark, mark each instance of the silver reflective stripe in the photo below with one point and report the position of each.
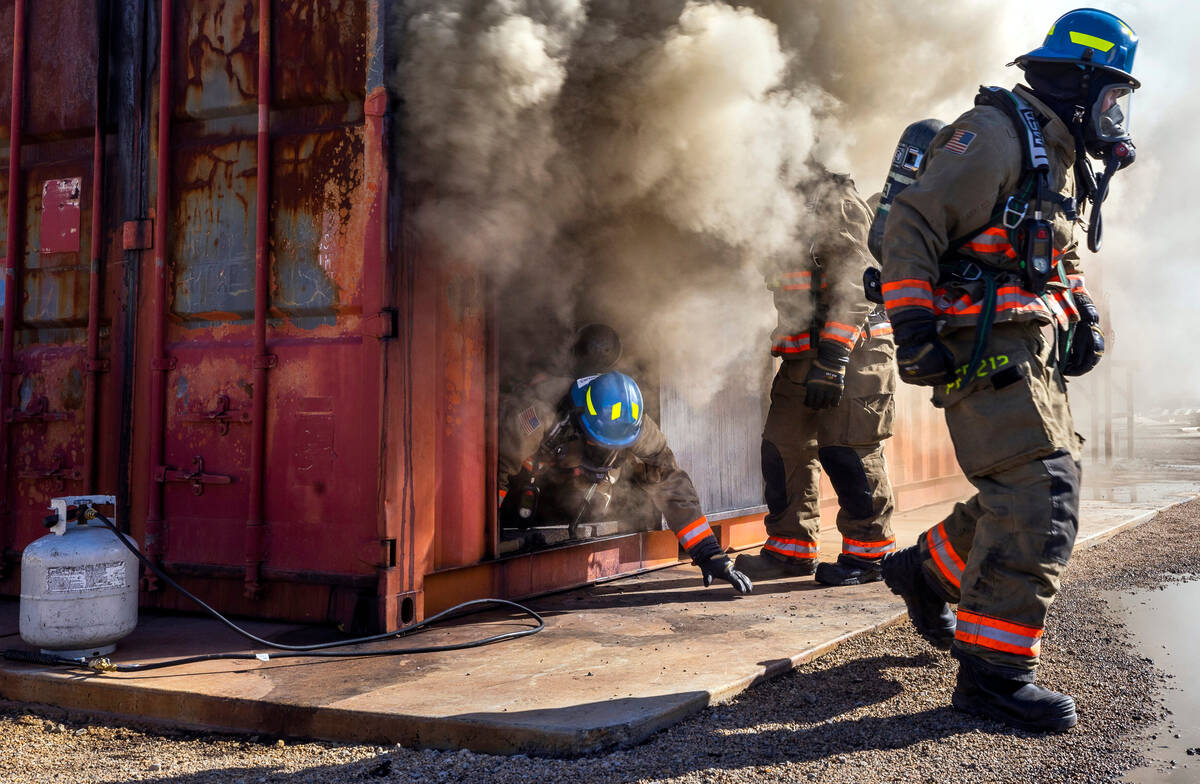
(991, 240)
(859, 550)
(972, 628)
(907, 292)
(943, 552)
(791, 547)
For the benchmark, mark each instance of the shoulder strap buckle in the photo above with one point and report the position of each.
(970, 271)
(1012, 216)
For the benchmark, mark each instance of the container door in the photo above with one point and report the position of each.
(58, 342)
(318, 547)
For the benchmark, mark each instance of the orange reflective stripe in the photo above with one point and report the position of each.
(909, 302)
(885, 329)
(693, 532)
(997, 634)
(908, 283)
(868, 549)
(791, 344)
(792, 548)
(843, 333)
(910, 292)
(945, 558)
(503, 493)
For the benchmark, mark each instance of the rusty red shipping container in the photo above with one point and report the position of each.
(214, 308)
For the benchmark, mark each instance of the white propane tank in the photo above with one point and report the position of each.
(78, 587)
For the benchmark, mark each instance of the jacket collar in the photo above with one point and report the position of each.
(1057, 134)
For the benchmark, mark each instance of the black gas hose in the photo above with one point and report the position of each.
(316, 650)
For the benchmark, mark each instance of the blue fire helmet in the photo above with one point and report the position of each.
(1089, 38)
(609, 409)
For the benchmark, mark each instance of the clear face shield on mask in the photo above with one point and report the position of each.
(1110, 114)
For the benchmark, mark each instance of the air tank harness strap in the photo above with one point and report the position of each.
(970, 270)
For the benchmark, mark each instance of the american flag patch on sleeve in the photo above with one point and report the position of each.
(529, 421)
(960, 141)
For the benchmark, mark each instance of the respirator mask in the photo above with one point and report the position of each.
(1102, 128)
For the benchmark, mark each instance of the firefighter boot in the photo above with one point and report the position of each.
(849, 570)
(768, 566)
(927, 609)
(1018, 703)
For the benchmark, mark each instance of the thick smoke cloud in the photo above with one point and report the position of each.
(643, 162)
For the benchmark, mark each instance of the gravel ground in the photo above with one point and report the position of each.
(873, 710)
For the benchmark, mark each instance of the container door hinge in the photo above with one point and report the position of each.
(137, 234)
(380, 325)
(164, 363)
(196, 476)
(97, 365)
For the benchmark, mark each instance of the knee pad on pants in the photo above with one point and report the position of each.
(845, 470)
(774, 478)
(1064, 505)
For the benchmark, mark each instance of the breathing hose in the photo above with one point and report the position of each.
(316, 650)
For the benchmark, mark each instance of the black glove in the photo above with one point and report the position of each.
(1087, 343)
(720, 567)
(713, 563)
(921, 358)
(827, 378)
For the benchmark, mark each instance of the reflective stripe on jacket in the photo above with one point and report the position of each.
(955, 193)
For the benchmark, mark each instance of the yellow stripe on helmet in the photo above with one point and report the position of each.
(634, 406)
(616, 414)
(1083, 39)
(591, 408)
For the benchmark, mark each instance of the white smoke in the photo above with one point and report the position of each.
(637, 161)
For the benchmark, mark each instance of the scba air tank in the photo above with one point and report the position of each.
(78, 590)
(910, 152)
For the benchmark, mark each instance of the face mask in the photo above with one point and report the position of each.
(1110, 114)
(1106, 129)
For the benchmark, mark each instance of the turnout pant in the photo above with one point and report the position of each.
(1001, 554)
(846, 441)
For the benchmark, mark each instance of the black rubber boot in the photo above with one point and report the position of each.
(849, 570)
(927, 609)
(767, 566)
(1018, 703)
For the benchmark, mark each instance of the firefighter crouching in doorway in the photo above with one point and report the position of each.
(979, 259)
(831, 403)
(568, 445)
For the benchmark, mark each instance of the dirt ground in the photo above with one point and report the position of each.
(875, 709)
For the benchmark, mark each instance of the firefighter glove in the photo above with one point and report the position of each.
(826, 379)
(1087, 342)
(719, 567)
(921, 358)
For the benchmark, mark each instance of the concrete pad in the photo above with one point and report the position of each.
(615, 663)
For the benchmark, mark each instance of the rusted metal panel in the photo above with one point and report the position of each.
(216, 43)
(211, 220)
(61, 59)
(321, 50)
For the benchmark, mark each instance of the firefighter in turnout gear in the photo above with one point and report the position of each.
(831, 402)
(982, 281)
(564, 446)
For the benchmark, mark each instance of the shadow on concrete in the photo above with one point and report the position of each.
(826, 705)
